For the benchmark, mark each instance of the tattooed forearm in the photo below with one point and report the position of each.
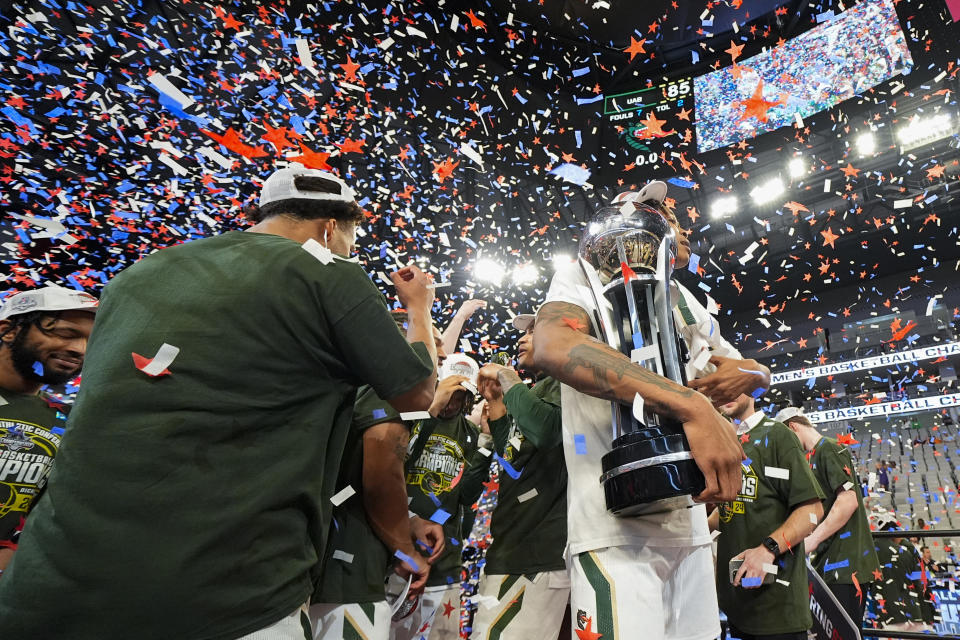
(507, 378)
(399, 446)
(602, 361)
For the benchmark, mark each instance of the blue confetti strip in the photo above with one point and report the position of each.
(440, 516)
(410, 561)
(580, 444)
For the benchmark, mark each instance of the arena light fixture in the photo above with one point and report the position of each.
(866, 144)
(723, 207)
(922, 131)
(526, 273)
(797, 167)
(487, 270)
(768, 191)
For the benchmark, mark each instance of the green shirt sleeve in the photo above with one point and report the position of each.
(476, 472)
(500, 429)
(370, 410)
(378, 353)
(800, 485)
(537, 419)
(838, 467)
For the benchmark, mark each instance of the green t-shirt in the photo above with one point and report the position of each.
(356, 561)
(196, 505)
(851, 549)
(440, 454)
(529, 524)
(776, 478)
(892, 591)
(30, 430)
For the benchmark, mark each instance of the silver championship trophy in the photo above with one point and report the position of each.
(650, 468)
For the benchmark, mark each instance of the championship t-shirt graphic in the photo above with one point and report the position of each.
(26, 455)
(748, 493)
(439, 466)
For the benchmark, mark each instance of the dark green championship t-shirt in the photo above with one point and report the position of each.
(898, 562)
(851, 549)
(196, 505)
(440, 454)
(356, 561)
(776, 478)
(529, 525)
(30, 430)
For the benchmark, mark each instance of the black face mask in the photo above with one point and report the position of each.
(24, 357)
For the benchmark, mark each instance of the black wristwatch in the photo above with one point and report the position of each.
(772, 546)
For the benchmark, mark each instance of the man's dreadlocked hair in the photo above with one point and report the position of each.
(306, 209)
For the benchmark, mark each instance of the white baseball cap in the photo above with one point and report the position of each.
(654, 192)
(51, 298)
(460, 364)
(524, 321)
(788, 413)
(280, 186)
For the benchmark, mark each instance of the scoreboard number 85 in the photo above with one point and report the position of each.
(677, 89)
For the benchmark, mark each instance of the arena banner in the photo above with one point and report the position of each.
(913, 355)
(861, 412)
(830, 621)
(947, 602)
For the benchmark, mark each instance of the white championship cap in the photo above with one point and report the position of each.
(652, 193)
(280, 186)
(460, 364)
(52, 298)
(788, 413)
(524, 321)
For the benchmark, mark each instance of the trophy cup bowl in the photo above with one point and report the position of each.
(639, 228)
(650, 468)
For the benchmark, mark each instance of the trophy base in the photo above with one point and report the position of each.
(648, 472)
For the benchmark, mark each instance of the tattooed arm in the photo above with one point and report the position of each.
(564, 350)
(385, 492)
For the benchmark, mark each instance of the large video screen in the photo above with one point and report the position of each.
(832, 62)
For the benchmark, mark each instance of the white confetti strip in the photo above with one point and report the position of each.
(701, 360)
(164, 358)
(303, 50)
(523, 497)
(344, 494)
(647, 352)
(343, 555)
(166, 87)
(769, 568)
(776, 472)
(415, 415)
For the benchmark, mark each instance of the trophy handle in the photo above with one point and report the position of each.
(602, 317)
(662, 303)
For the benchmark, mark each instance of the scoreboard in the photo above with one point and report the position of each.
(654, 126)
